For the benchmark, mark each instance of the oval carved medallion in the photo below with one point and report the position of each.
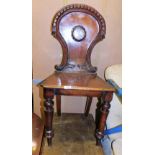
(78, 33)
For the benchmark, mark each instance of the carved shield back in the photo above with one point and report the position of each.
(78, 28)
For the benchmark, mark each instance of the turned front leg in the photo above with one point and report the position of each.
(98, 112)
(48, 110)
(103, 107)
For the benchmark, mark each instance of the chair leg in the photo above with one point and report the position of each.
(87, 106)
(103, 107)
(98, 112)
(58, 104)
(49, 110)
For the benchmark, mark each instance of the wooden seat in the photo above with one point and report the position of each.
(76, 81)
(78, 28)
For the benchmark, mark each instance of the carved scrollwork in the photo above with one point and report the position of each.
(92, 26)
(92, 69)
(82, 8)
(71, 67)
(59, 67)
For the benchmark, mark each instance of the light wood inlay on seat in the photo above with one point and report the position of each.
(77, 81)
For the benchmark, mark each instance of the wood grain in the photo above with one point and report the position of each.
(78, 28)
(77, 81)
(77, 53)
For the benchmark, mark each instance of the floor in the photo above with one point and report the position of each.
(74, 135)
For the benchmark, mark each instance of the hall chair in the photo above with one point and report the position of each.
(78, 28)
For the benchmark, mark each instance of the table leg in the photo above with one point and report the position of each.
(104, 110)
(49, 110)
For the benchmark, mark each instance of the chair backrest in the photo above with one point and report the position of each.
(78, 28)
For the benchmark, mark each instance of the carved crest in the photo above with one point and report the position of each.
(78, 28)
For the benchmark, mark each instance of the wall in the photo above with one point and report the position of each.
(47, 50)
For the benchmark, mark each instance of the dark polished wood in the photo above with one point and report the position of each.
(87, 106)
(98, 112)
(71, 23)
(103, 107)
(76, 81)
(58, 103)
(48, 110)
(78, 28)
(37, 134)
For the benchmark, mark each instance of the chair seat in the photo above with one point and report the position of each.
(76, 81)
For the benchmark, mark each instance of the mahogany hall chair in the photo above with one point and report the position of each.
(78, 28)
